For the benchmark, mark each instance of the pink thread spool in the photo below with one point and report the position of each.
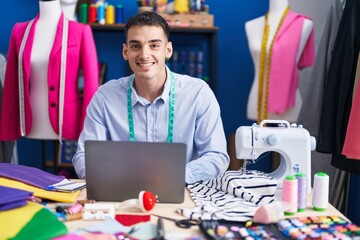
(302, 191)
(290, 194)
(77, 208)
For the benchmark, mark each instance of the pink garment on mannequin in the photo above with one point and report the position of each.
(81, 53)
(283, 80)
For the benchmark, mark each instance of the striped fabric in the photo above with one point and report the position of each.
(233, 196)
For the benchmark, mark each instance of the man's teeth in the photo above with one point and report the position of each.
(145, 64)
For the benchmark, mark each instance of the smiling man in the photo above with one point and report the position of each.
(157, 105)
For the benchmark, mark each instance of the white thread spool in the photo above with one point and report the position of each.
(320, 192)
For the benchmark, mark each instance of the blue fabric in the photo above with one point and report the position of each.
(197, 123)
(29, 175)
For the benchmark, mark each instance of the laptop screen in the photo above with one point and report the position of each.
(118, 170)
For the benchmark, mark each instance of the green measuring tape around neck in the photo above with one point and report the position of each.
(171, 110)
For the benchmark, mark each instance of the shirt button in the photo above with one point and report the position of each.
(53, 104)
(52, 88)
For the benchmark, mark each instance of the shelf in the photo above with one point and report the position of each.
(120, 27)
(50, 164)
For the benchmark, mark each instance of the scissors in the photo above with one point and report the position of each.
(181, 223)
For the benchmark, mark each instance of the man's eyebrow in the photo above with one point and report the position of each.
(151, 41)
(155, 40)
(134, 41)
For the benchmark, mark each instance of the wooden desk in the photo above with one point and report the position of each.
(169, 210)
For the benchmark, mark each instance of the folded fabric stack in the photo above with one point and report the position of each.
(20, 219)
(31, 221)
(34, 180)
(12, 198)
(23, 219)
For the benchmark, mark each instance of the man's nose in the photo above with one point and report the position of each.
(145, 52)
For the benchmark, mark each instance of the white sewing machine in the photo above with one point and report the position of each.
(293, 142)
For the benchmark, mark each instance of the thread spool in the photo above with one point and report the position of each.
(101, 13)
(83, 15)
(145, 9)
(302, 191)
(92, 13)
(290, 194)
(110, 14)
(320, 191)
(74, 209)
(119, 14)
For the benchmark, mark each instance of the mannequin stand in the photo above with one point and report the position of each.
(54, 162)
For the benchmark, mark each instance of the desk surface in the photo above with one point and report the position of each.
(169, 210)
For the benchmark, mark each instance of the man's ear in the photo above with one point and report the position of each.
(169, 50)
(124, 52)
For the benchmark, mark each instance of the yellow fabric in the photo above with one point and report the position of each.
(39, 192)
(11, 222)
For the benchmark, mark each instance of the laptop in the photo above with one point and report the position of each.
(118, 170)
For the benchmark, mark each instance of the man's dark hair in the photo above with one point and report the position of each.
(147, 19)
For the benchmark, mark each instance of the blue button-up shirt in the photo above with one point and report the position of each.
(197, 123)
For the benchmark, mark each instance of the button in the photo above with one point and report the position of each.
(52, 88)
(53, 104)
(272, 139)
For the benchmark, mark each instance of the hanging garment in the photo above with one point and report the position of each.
(309, 115)
(7, 148)
(81, 54)
(351, 147)
(283, 79)
(338, 92)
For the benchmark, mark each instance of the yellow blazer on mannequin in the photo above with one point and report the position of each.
(81, 53)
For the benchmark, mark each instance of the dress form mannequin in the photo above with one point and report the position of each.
(49, 14)
(255, 31)
(49, 42)
(69, 9)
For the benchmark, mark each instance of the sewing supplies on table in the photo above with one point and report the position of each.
(302, 191)
(290, 194)
(98, 211)
(219, 229)
(270, 213)
(292, 142)
(314, 227)
(320, 191)
(318, 227)
(146, 201)
(160, 232)
(131, 219)
(67, 212)
(181, 223)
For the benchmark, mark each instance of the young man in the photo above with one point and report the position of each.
(157, 105)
